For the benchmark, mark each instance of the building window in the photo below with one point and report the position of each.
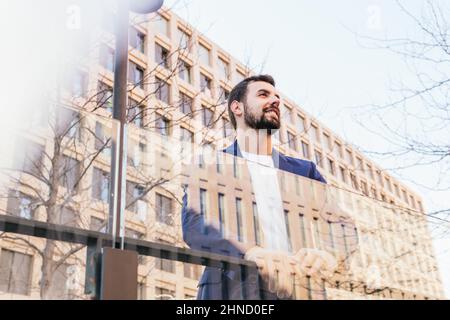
(288, 230)
(227, 128)
(165, 264)
(185, 71)
(303, 230)
(236, 168)
(223, 95)
(162, 90)
(305, 150)
(107, 57)
(420, 206)
(349, 156)
(205, 84)
(344, 237)
(184, 40)
(337, 149)
(380, 179)
(162, 126)
(240, 236)
(135, 113)
(412, 202)
(219, 162)
(327, 141)
(315, 133)
(256, 227)
(292, 141)
(164, 209)
(186, 104)
(71, 173)
(318, 158)
(405, 196)
(15, 272)
(308, 287)
(316, 234)
(360, 165)
(136, 153)
(330, 235)
(186, 135)
(162, 25)
(331, 167)
(388, 183)
(343, 174)
(224, 69)
(141, 290)
(369, 169)
(102, 139)
(287, 114)
(204, 208)
(162, 56)
(397, 191)
(105, 97)
(136, 75)
(301, 124)
(221, 203)
(135, 200)
(353, 181)
(20, 205)
(374, 193)
(364, 188)
(207, 116)
(100, 185)
(240, 76)
(137, 39)
(204, 55)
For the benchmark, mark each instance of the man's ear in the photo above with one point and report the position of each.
(237, 108)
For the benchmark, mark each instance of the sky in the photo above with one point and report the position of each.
(313, 50)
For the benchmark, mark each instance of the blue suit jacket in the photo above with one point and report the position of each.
(218, 284)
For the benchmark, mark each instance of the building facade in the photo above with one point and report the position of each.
(179, 81)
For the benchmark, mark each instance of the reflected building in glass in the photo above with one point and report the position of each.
(179, 81)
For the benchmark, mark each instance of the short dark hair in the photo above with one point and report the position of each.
(239, 92)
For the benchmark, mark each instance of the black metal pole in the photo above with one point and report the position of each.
(118, 160)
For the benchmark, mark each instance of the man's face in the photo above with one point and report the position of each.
(262, 106)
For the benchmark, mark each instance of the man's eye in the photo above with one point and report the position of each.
(263, 94)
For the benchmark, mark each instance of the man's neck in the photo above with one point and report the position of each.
(255, 141)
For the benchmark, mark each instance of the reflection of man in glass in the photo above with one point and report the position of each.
(254, 109)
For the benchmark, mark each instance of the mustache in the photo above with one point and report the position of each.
(273, 108)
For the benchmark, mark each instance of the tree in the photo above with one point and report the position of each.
(414, 123)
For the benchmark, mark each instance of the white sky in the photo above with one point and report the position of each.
(310, 49)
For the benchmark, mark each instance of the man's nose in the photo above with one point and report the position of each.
(275, 101)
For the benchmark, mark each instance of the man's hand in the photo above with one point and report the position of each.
(313, 261)
(276, 269)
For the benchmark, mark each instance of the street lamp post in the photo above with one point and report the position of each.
(119, 267)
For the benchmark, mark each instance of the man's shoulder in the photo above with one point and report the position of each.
(302, 167)
(297, 162)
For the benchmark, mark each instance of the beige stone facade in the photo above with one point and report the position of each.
(373, 223)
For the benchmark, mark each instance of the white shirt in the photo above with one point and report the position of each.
(268, 201)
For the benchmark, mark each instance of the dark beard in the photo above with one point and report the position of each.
(262, 123)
